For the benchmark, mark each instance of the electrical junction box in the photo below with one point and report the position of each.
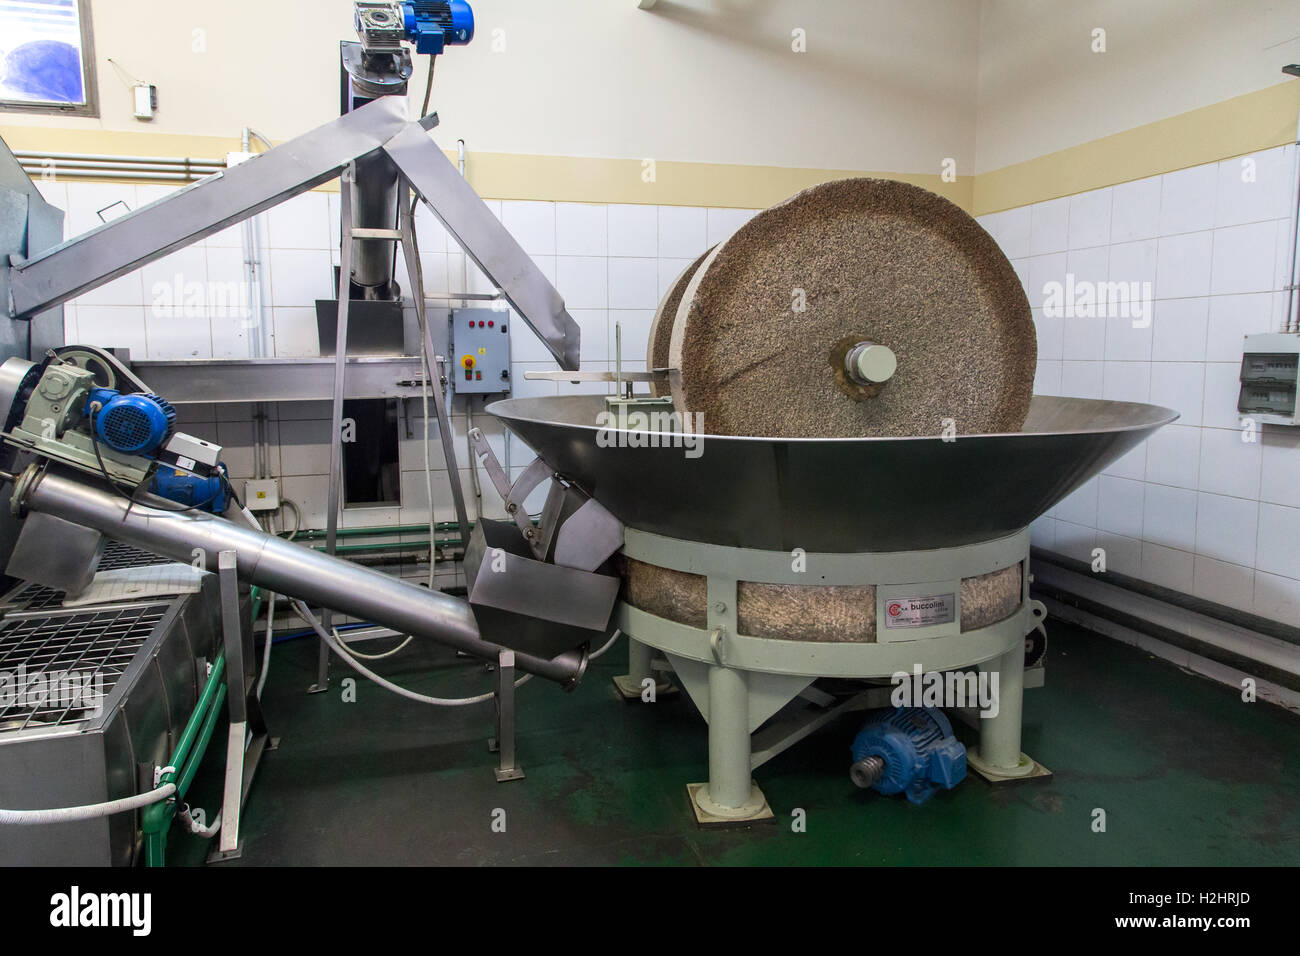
(1270, 374)
(145, 97)
(262, 494)
(480, 352)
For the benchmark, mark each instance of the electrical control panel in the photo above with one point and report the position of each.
(1270, 373)
(480, 352)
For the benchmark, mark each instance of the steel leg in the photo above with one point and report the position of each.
(731, 795)
(998, 757)
(640, 658)
(504, 741)
(245, 713)
(347, 186)
(640, 665)
(412, 253)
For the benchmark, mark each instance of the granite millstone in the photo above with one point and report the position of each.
(763, 320)
(661, 326)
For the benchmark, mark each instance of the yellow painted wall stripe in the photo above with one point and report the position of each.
(572, 179)
(1244, 124)
(521, 176)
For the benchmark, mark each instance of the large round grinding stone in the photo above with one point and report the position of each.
(767, 320)
(661, 326)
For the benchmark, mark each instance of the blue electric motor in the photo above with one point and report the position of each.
(131, 424)
(203, 494)
(434, 25)
(908, 750)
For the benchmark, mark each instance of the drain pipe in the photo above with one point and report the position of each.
(1292, 314)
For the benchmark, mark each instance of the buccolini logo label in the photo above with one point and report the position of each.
(920, 611)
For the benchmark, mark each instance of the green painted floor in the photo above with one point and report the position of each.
(1186, 772)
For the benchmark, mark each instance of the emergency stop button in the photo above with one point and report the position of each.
(467, 362)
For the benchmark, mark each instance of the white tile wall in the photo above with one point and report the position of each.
(612, 264)
(1197, 508)
(1194, 509)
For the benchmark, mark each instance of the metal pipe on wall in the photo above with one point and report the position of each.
(277, 565)
(42, 165)
(37, 173)
(105, 158)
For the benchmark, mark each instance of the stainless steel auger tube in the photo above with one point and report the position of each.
(277, 565)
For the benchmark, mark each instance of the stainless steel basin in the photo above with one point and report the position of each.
(834, 494)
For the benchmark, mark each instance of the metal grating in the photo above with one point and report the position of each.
(98, 645)
(119, 555)
(38, 597)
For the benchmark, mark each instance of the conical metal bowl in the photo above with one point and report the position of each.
(833, 494)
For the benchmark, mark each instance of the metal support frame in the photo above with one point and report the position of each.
(405, 234)
(227, 198)
(438, 182)
(739, 681)
(347, 197)
(233, 195)
(247, 738)
(433, 362)
(503, 743)
(998, 758)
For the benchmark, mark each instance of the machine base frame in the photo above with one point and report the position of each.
(739, 682)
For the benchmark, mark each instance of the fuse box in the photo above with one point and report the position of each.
(1270, 373)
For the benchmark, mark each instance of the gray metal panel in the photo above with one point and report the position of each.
(210, 205)
(531, 607)
(280, 380)
(35, 775)
(28, 225)
(57, 554)
(516, 583)
(439, 184)
(98, 759)
(374, 327)
(852, 494)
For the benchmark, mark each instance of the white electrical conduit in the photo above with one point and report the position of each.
(1292, 323)
(469, 399)
(192, 825)
(425, 384)
(361, 669)
(93, 811)
(305, 613)
(266, 651)
(353, 650)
